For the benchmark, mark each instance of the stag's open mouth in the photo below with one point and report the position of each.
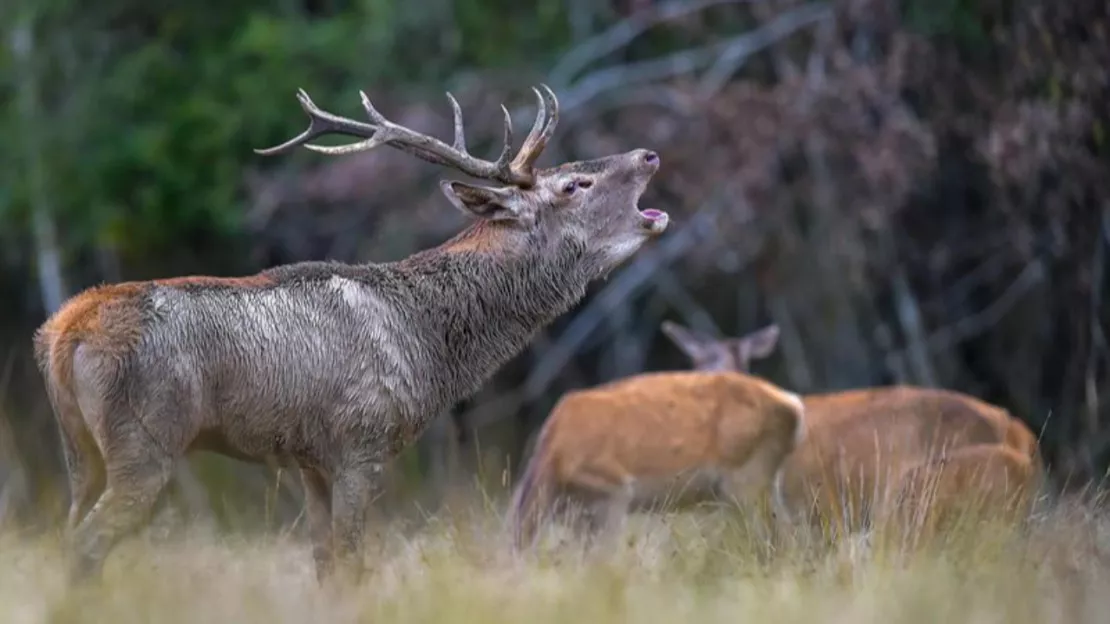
(654, 221)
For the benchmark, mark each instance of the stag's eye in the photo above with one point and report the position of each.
(574, 185)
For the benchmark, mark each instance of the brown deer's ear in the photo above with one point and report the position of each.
(494, 204)
(690, 342)
(760, 343)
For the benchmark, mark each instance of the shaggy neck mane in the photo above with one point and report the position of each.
(481, 297)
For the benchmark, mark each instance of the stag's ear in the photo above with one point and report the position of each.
(760, 343)
(494, 204)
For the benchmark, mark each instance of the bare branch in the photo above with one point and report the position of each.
(793, 349)
(1091, 385)
(908, 311)
(688, 61)
(662, 96)
(989, 269)
(975, 324)
(735, 55)
(694, 315)
(622, 33)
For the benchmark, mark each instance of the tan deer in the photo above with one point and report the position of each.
(652, 440)
(935, 493)
(882, 444)
(333, 368)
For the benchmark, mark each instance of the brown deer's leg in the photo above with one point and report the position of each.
(354, 489)
(604, 521)
(317, 498)
(598, 510)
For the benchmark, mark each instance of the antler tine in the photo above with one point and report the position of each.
(460, 136)
(542, 130)
(320, 123)
(523, 159)
(504, 162)
(553, 118)
(382, 131)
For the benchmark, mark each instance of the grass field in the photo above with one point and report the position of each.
(707, 567)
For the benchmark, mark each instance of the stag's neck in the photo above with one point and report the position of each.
(478, 300)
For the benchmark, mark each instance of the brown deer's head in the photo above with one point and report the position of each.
(710, 354)
(593, 202)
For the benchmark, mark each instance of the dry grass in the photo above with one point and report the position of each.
(706, 567)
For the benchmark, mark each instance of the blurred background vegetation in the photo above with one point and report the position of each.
(914, 190)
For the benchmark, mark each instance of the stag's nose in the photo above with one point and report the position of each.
(645, 160)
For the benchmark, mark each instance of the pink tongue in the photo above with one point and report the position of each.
(652, 213)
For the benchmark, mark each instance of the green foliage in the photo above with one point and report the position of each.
(147, 118)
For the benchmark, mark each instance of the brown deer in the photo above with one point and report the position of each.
(652, 440)
(934, 492)
(865, 446)
(333, 368)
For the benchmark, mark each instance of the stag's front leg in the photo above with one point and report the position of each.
(317, 500)
(355, 488)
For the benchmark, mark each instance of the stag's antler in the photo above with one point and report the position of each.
(518, 171)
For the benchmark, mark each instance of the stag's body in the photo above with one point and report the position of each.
(868, 450)
(305, 359)
(331, 367)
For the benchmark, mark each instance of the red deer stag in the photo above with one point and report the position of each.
(877, 445)
(334, 368)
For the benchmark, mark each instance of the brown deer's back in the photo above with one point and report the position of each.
(657, 424)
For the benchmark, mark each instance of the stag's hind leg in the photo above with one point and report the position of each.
(139, 460)
(86, 483)
(134, 484)
(84, 465)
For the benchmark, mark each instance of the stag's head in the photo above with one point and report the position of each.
(592, 202)
(733, 354)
